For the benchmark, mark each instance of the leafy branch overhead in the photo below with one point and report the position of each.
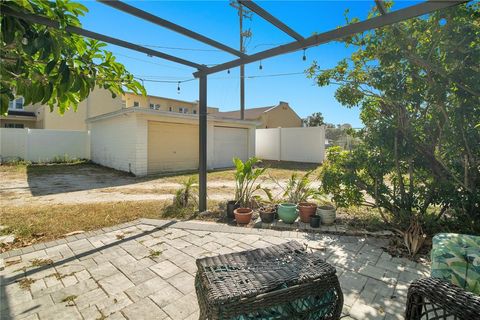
(52, 66)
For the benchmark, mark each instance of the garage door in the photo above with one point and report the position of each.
(229, 143)
(172, 147)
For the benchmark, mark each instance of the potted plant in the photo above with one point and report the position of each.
(315, 221)
(267, 213)
(306, 210)
(231, 206)
(287, 212)
(327, 213)
(246, 175)
(298, 189)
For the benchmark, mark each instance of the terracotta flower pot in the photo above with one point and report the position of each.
(306, 210)
(243, 215)
(287, 212)
(327, 213)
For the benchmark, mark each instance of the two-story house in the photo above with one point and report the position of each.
(38, 116)
(99, 102)
(162, 104)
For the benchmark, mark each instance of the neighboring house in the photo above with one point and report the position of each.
(281, 115)
(99, 102)
(38, 116)
(162, 104)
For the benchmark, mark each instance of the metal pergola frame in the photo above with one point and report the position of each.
(202, 71)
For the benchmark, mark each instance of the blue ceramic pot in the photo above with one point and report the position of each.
(287, 212)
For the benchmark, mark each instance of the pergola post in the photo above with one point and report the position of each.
(202, 163)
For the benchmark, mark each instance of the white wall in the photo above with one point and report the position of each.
(42, 145)
(291, 144)
(114, 143)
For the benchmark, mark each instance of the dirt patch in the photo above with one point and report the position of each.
(88, 183)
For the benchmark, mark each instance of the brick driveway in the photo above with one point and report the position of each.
(145, 270)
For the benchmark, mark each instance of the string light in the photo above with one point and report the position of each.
(304, 58)
(260, 66)
(178, 87)
(228, 71)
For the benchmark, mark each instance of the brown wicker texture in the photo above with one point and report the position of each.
(433, 299)
(277, 282)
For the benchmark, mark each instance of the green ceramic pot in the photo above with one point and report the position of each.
(287, 212)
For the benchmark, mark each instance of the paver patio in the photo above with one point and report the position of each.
(145, 270)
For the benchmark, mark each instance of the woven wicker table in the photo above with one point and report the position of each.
(278, 282)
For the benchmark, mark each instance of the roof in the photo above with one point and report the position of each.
(165, 98)
(250, 114)
(21, 113)
(168, 114)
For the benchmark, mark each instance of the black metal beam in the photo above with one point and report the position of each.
(267, 16)
(97, 36)
(119, 5)
(202, 162)
(337, 34)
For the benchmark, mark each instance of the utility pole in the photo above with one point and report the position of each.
(242, 13)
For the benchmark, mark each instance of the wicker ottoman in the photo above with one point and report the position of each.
(278, 282)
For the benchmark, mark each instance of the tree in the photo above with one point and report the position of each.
(52, 66)
(315, 120)
(417, 85)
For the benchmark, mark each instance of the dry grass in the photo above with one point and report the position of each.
(47, 222)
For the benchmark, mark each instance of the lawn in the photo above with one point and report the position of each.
(44, 202)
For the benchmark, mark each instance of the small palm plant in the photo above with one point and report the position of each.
(246, 176)
(187, 194)
(298, 188)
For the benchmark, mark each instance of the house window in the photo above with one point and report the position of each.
(183, 110)
(157, 107)
(14, 125)
(16, 104)
(135, 103)
(194, 111)
(169, 108)
(152, 106)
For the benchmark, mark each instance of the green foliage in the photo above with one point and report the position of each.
(52, 66)
(417, 85)
(246, 176)
(315, 120)
(187, 194)
(298, 188)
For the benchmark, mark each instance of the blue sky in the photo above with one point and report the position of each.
(217, 20)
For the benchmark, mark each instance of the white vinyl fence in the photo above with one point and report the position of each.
(42, 145)
(291, 144)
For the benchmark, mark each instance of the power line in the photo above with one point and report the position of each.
(145, 77)
(147, 61)
(181, 48)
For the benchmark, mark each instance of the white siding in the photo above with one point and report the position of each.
(42, 145)
(121, 141)
(114, 143)
(291, 144)
(229, 143)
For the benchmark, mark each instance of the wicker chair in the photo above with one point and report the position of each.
(435, 299)
(278, 282)
(453, 290)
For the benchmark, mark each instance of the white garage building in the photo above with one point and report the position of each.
(144, 141)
